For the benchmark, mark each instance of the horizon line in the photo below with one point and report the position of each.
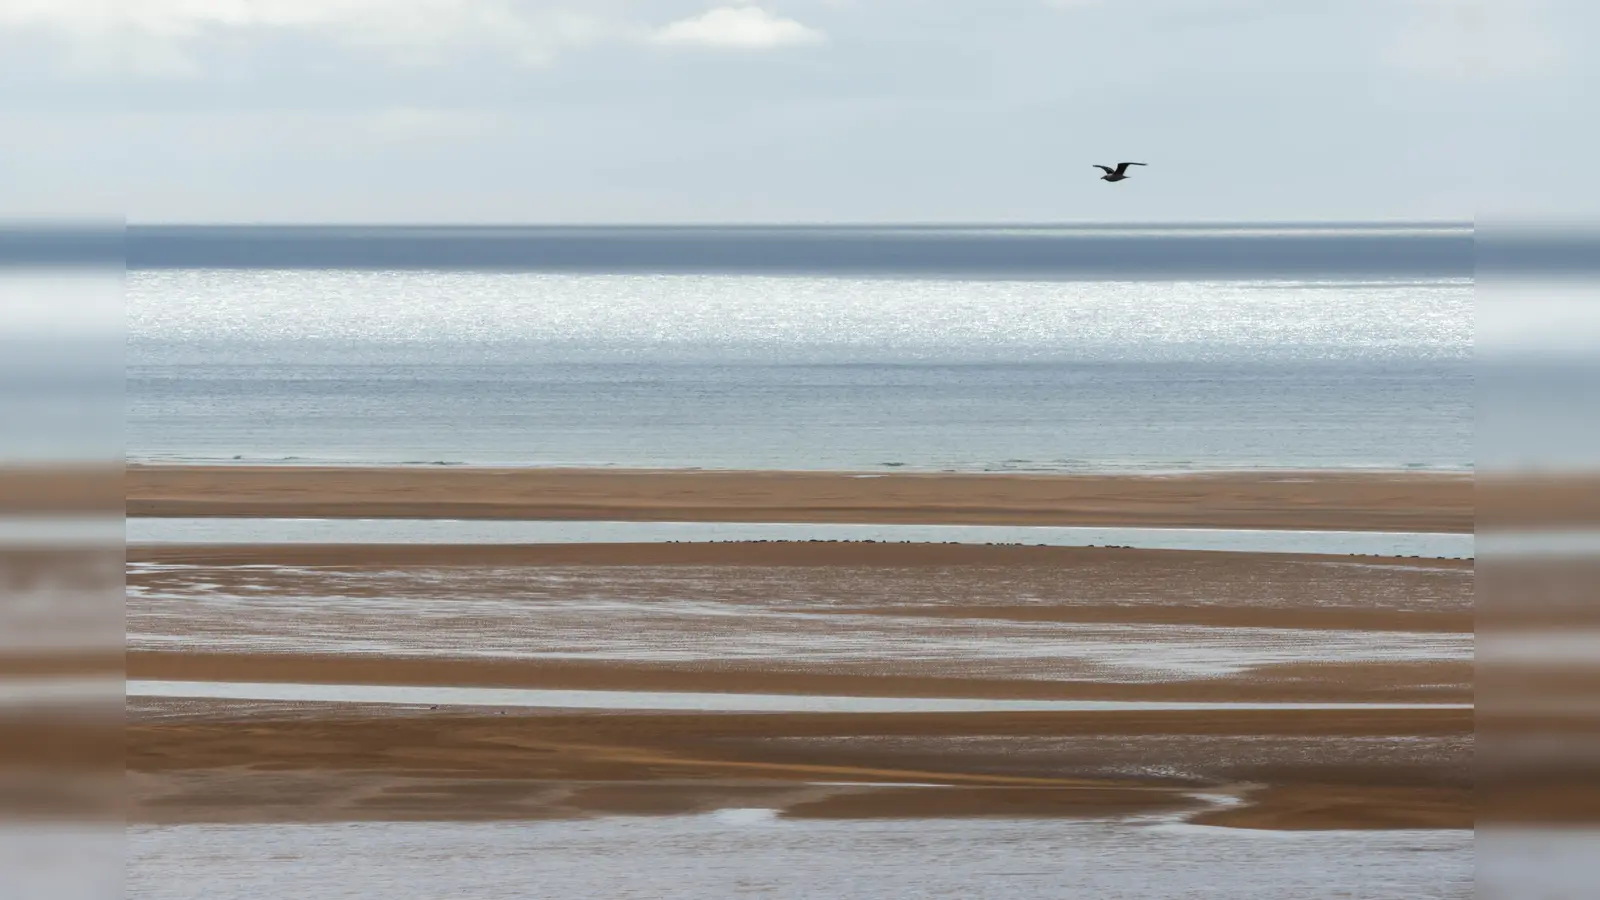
(1033, 224)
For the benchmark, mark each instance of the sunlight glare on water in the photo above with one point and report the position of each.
(796, 372)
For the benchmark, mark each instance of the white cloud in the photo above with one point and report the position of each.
(158, 35)
(166, 37)
(738, 27)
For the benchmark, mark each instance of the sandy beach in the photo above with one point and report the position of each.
(981, 622)
(817, 619)
(852, 619)
(1293, 500)
(1289, 770)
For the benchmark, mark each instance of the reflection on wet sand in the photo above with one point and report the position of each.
(886, 620)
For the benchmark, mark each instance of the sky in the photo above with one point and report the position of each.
(660, 111)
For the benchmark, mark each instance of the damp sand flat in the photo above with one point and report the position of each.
(796, 620)
(1415, 682)
(796, 642)
(1380, 501)
(213, 760)
(308, 760)
(1030, 623)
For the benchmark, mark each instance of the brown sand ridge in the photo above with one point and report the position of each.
(1321, 806)
(930, 583)
(349, 763)
(1208, 616)
(1409, 682)
(1084, 585)
(57, 488)
(1310, 500)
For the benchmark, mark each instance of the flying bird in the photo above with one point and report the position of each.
(1117, 174)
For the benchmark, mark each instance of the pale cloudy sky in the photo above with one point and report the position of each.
(790, 110)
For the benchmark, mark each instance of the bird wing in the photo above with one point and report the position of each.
(1122, 168)
(1105, 169)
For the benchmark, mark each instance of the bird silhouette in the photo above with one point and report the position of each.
(1117, 174)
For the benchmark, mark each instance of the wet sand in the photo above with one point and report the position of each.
(279, 762)
(1421, 682)
(1210, 616)
(882, 620)
(1339, 807)
(88, 488)
(1430, 502)
(249, 612)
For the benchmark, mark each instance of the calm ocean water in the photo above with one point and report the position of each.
(969, 349)
(752, 852)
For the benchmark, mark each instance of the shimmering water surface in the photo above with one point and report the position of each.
(741, 853)
(1049, 365)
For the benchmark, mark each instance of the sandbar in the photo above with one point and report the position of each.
(1346, 501)
(341, 764)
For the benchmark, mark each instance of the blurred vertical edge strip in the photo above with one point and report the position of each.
(62, 326)
(1538, 569)
(1538, 447)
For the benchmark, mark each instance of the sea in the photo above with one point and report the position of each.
(745, 853)
(1140, 348)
